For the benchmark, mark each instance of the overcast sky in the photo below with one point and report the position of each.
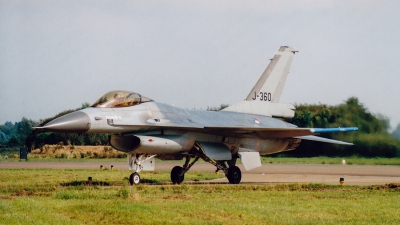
(56, 55)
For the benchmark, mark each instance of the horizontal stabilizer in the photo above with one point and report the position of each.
(321, 139)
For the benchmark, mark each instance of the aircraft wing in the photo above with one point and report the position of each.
(258, 132)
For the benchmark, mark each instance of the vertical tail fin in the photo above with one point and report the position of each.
(263, 99)
(270, 85)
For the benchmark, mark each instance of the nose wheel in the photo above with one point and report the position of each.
(134, 179)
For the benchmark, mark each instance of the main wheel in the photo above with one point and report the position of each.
(234, 175)
(134, 178)
(177, 175)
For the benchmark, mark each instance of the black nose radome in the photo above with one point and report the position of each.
(76, 122)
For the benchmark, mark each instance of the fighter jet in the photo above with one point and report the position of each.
(146, 129)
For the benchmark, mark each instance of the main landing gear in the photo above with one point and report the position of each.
(231, 171)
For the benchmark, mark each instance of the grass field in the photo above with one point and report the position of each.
(61, 196)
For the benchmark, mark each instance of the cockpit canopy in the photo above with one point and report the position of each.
(117, 99)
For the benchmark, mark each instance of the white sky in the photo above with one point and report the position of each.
(56, 55)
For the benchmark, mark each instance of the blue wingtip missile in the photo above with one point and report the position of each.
(332, 130)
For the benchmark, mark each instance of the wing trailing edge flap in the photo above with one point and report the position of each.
(250, 160)
(321, 139)
(216, 151)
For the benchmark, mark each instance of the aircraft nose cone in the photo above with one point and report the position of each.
(76, 122)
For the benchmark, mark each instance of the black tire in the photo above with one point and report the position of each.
(134, 179)
(234, 175)
(176, 176)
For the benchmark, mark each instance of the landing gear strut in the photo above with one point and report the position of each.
(135, 162)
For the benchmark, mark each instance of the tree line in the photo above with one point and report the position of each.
(21, 134)
(372, 140)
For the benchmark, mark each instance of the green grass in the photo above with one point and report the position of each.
(46, 179)
(53, 196)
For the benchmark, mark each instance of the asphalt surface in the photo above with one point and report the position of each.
(267, 173)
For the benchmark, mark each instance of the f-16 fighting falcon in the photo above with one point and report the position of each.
(146, 129)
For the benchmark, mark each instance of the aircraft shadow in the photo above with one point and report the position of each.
(106, 183)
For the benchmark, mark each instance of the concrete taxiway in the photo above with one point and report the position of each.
(267, 173)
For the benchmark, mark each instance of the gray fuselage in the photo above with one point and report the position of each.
(173, 130)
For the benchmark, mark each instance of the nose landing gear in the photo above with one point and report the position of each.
(135, 162)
